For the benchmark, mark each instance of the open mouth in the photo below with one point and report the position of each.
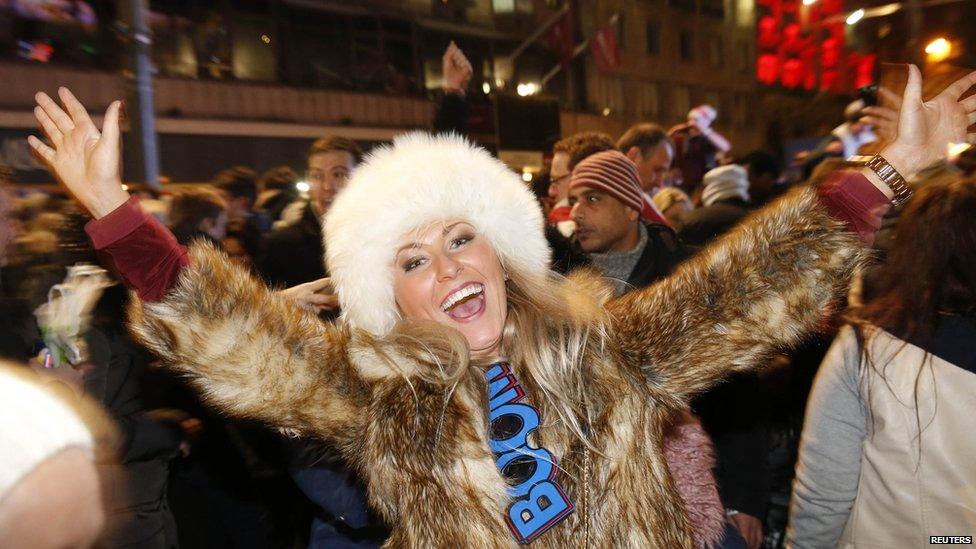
(465, 303)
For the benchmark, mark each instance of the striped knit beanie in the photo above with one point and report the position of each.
(612, 173)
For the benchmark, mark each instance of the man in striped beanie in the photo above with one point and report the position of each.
(615, 224)
(631, 252)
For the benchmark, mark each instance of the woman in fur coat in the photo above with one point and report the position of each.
(486, 401)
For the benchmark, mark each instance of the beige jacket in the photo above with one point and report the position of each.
(865, 477)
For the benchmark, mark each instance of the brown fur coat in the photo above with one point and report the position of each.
(422, 446)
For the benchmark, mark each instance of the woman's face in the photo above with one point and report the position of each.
(450, 274)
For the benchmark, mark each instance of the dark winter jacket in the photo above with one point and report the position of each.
(293, 254)
(701, 226)
(663, 252)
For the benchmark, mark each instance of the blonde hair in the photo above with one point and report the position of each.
(550, 327)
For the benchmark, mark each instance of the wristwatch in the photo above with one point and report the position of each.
(888, 174)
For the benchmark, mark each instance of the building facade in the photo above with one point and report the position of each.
(253, 82)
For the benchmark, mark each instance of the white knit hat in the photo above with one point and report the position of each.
(419, 180)
(34, 425)
(724, 182)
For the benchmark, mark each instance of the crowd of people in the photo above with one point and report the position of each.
(649, 318)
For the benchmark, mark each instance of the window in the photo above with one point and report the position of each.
(621, 32)
(506, 6)
(713, 8)
(609, 94)
(649, 100)
(714, 99)
(740, 109)
(685, 5)
(652, 37)
(743, 57)
(682, 102)
(686, 45)
(252, 47)
(503, 6)
(715, 51)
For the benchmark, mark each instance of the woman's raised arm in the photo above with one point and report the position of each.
(251, 352)
(769, 282)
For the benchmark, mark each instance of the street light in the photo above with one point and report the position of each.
(530, 88)
(938, 49)
(855, 17)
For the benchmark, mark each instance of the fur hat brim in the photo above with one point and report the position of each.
(419, 180)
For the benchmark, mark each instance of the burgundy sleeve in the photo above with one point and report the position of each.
(851, 198)
(144, 253)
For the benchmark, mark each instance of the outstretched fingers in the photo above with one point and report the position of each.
(956, 90)
(41, 148)
(77, 111)
(969, 104)
(110, 125)
(881, 113)
(50, 128)
(889, 97)
(913, 89)
(61, 120)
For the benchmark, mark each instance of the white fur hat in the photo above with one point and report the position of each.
(423, 179)
(34, 426)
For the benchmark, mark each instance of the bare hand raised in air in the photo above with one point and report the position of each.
(925, 129)
(85, 160)
(456, 68)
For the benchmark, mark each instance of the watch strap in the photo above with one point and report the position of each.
(888, 174)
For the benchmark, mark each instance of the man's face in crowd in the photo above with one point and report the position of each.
(327, 175)
(653, 167)
(559, 173)
(603, 223)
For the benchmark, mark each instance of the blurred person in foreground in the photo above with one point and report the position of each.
(50, 493)
(106, 364)
(408, 285)
(887, 446)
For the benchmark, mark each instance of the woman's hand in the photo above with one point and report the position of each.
(315, 296)
(85, 160)
(925, 129)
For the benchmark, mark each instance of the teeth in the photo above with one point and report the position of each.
(461, 294)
